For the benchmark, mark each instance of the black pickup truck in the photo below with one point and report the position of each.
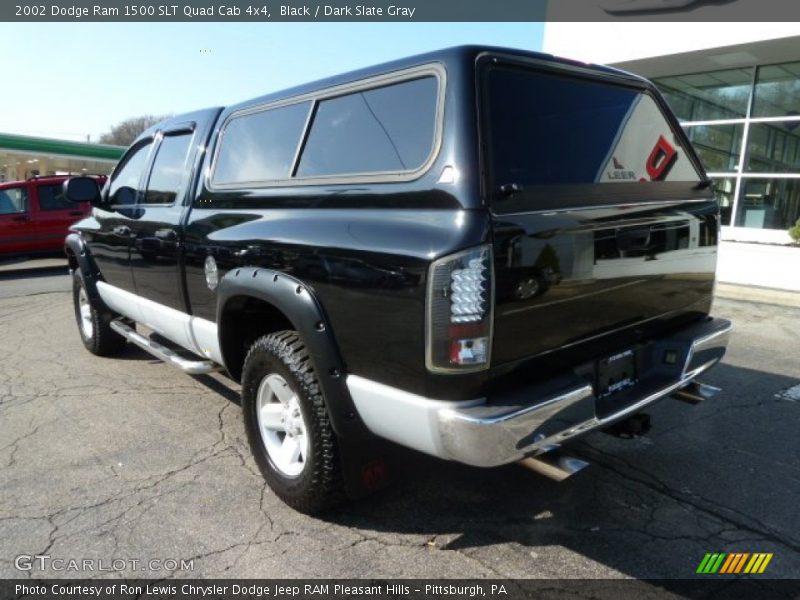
(477, 253)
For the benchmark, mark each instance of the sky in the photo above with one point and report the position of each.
(70, 80)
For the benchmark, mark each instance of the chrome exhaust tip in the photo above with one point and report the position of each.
(554, 464)
(696, 392)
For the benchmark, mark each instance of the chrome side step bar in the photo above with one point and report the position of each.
(554, 464)
(191, 367)
(696, 392)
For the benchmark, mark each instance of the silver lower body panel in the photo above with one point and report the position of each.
(496, 431)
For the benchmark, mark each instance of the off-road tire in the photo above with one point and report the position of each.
(101, 340)
(319, 485)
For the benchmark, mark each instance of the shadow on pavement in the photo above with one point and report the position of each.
(713, 478)
(723, 476)
(39, 272)
(27, 264)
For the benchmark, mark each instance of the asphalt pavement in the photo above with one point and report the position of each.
(26, 277)
(128, 459)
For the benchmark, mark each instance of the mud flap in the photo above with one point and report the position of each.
(367, 467)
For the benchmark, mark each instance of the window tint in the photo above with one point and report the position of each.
(548, 129)
(168, 169)
(385, 129)
(13, 200)
(261, 146)
(125, 182)
(51, 197)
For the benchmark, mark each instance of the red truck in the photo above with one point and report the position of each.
(35, 216)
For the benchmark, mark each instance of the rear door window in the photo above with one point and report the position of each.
(169, 168)
(13, 200)
(554, 130)
(51, 197)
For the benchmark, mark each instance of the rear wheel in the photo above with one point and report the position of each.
(94, 324)
(287, 423)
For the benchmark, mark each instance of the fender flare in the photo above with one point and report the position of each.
(75, 245)
(300, 305)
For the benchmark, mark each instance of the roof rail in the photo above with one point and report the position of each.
(33, 177)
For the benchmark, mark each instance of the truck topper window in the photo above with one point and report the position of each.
(387, 129)
(260, 146)
(546, 129)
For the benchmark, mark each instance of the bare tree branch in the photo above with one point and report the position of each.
(123, 134)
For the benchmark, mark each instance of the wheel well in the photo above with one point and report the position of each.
(243, 320)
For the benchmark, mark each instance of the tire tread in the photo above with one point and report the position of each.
(323, 486)
(104, 341)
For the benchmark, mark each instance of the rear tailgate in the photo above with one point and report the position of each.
(601, 221)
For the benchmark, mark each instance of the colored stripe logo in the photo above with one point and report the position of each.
(734, 563)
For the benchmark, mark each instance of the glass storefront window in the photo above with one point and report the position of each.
(777, 91)
(724, 188)
(707, 96)
(768, 203)
(774, 147)
(765, 169)
(718, 146)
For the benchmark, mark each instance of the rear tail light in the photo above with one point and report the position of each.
(459, 318)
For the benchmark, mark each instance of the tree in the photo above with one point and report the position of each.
(128, 130)
(795, 232)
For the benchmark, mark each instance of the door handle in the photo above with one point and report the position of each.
(122, 230)
(167, 235)
(21, 218)
(75, 213)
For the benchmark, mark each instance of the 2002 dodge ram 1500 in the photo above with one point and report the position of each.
(478, 253)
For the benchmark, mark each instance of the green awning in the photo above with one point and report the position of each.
(24, 143)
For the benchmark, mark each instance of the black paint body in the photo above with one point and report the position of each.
(602, 269)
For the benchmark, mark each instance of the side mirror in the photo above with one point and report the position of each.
(82, 189)
(125, 196)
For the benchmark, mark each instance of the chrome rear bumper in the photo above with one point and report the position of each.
(496, 431)
(485, 436)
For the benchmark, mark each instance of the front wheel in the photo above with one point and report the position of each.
(94, 324)
(287, 423)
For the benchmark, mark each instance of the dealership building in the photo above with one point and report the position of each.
(735, 88)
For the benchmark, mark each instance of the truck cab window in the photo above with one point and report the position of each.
(168, 168)
(125, 181)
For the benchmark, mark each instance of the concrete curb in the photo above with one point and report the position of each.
(759, 265)
(761, 295)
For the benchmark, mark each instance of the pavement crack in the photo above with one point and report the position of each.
(14, 446)
(725, 514)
